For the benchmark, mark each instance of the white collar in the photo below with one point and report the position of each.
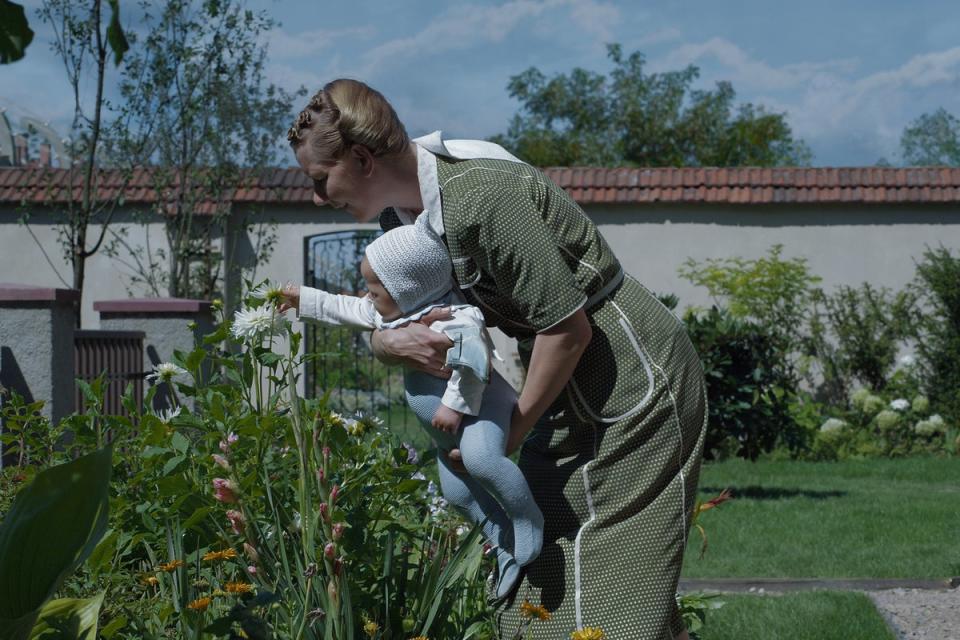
(428, 148)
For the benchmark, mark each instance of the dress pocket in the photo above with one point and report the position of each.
(614, 378)
(466, 272)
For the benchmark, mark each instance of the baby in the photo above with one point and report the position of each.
(408, 273)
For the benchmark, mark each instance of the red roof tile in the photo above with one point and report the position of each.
(587, 185)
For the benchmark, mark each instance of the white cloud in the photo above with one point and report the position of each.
(284, 45)
(468, 26)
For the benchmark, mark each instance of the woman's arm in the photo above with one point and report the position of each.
(556, 352)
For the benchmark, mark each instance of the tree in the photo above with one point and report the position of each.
(640, 119)
(198, 114)
(81, 40)
(933, 139)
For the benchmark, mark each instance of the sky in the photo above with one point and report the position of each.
(848, 74)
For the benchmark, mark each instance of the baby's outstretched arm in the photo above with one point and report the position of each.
(447, 419)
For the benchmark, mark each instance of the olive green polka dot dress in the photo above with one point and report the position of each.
(614, 463)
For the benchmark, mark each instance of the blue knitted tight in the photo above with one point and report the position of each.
(494, 488)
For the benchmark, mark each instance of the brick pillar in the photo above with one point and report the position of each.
(166, 322)
(36, 345)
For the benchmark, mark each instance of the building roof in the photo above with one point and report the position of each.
(587, 185)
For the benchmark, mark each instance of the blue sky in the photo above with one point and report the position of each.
(849, 74)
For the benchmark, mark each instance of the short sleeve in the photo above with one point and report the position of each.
(507, 236)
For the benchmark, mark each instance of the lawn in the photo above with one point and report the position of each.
(817, 615)
(856, 519)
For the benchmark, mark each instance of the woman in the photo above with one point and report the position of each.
(612, 412)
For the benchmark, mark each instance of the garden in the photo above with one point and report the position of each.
(244, 510)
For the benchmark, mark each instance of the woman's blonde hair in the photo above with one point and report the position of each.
(347, 112)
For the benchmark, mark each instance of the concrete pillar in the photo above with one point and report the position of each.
(36, 345)
(171, 324)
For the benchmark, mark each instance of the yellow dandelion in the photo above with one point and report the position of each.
(171, 566)
(200, 604)
(537, 611)
(213, 556)
(238, 587)
(371, 628)
(588, 633)
(151, 581)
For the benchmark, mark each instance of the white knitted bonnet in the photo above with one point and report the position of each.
(412, 263)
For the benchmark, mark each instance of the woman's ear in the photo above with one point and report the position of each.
(364, 159)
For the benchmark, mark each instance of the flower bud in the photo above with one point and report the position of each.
(252, 570)
(250, 551)
(325, 511)
(224, 490)
(221, 461)
(237, 521)
(334, 492)
(338, 567)
(338, 530)
(332, 591)
(330, 550)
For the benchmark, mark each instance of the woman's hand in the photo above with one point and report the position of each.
(291, 298)
(415, 345)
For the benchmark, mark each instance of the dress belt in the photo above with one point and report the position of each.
(605, 291)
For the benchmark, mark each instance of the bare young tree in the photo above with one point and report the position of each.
(82, 41)
(201, 120)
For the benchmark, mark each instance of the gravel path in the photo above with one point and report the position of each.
(920, 614)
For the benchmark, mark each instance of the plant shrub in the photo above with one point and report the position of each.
(748, 386)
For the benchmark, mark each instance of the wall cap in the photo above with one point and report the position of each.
(152, 305)
(11, 292)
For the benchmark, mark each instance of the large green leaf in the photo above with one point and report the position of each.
(115, 36)
(15, 33)
(68, 619)
(54, 524)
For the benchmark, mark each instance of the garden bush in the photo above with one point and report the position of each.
(937, 285)
(748, 386)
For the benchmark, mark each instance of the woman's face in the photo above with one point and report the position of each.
(345, 183)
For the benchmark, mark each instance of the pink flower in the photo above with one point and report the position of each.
(337, 566)
(221, 461)
(229, 442)
(237, 521)
(321, 476)
(326, 453)
(338, 529)
(251, 552)
(334, 492)
(330, 550)
(325, 511)
(224, 490)
(252, 570)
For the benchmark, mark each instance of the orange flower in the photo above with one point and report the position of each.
(715, 502)
(151, 581)
(588, 633)
(534, 611)
(171, 566)
(213, 556)
(238, 587)
(200, 604)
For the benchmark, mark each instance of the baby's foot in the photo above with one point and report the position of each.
(504, 579)
(528, 538)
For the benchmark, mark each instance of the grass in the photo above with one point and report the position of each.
(813, 615)
(856, 519)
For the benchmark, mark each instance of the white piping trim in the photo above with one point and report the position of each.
(509, 173)
(644, 360)
(577, 599)
(676, 416)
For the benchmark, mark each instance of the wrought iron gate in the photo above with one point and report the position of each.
(344, 365)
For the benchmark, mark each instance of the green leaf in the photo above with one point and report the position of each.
(68, 619)
(115, 625)
(115, 36)
(179, 442)
(53, 525)
(15, 33)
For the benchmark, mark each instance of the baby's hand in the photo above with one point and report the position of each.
(447, 419)
(291, 298)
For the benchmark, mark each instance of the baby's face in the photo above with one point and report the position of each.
(382, 301)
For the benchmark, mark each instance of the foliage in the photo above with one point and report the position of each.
(636, 118)
(855, 334)
(198, 112)
(772, 291)
(938, 328)
(748, 387)
(54, 524)
(15, 33)
(933, 139)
